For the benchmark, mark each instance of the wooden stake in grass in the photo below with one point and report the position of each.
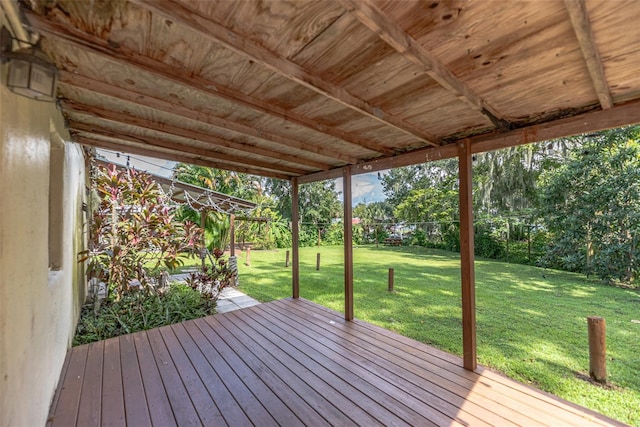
(248, 259)
(597, 349)
(318, 261)
(286, 262)
(391, 280)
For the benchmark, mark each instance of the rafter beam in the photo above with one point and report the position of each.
(142, 151)
(620, 115)
(379, 22)
(214, 141)
(226, 37)
(183, 148)
(131, 95)
(582, 27)
(127, 57)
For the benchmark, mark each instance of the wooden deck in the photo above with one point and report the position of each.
(290, 362)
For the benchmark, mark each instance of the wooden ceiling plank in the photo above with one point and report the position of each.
(384, 26)
(141, 151)
(127, 57)
(131, 119)
(582, 27)
(145, 100)
(619, 115)
(170, 145)
(229, 39)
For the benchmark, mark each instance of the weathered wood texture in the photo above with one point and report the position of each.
(290, 362)
(287, 88)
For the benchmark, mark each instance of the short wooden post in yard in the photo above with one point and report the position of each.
(248, 260)
(318, 261)
(391, 280)
(286, 262)
(597, 348)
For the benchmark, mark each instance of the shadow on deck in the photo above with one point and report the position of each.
(290, 362)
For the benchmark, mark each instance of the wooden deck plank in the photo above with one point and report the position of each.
(355, 401)
(89, 412)
(202, 401)
(342, 412)
(200, 356)
(291, 362)
(438, 404)
(423, 385)
(135, 404)
(154, 392)
(56, 397)
(183, 408)
(387, 396)
(279, 368)
(70, 389)
(495, 385)
(252, 407)
(231, 347)
(113, 413)
(270, 400)
(452, 376)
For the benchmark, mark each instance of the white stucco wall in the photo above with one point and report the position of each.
(38, 307)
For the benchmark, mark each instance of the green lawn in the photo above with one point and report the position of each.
(531, 322)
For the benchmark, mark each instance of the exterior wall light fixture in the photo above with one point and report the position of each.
(30, 73)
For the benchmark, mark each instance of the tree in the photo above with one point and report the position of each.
(134, 230)
(591, 204)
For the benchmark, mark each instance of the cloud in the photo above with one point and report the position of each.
(364, 188)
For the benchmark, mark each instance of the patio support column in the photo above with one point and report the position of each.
(348, 244)
(232, 235)
(465, 174)
(295, 268)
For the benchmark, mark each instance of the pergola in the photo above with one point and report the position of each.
(313, 90)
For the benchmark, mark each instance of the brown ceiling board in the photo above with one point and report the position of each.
(619, 50)
(389, 31)
(136, 149)
(171, 145)
(304, 89)
(219, 143)
(582, 26)
(279, 64)
(284, 145)
(129, 58)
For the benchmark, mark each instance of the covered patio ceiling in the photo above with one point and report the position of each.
(302, 89)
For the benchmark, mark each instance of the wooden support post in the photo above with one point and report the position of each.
(318, 261)
(295, 271)
(391, 280)
(286, 262)
(597, 348)
(232, 235)
(467, 257)
(203, 223)
(348, 244)
(248, 259)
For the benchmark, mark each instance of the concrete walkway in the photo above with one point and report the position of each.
(230, 298)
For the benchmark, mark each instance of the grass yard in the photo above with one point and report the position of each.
(531, 322)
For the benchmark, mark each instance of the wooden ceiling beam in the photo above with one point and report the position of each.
(130, 119)
(389, 31)
(183, 148)
(145, 100)
(127, 57)
(178, 157)
(582, 27)
(226, 37)
(620, 115)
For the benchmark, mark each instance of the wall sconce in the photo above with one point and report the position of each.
(30, 73)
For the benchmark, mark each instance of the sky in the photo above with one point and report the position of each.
(366, 188)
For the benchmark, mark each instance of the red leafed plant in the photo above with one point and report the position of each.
(133, 230)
